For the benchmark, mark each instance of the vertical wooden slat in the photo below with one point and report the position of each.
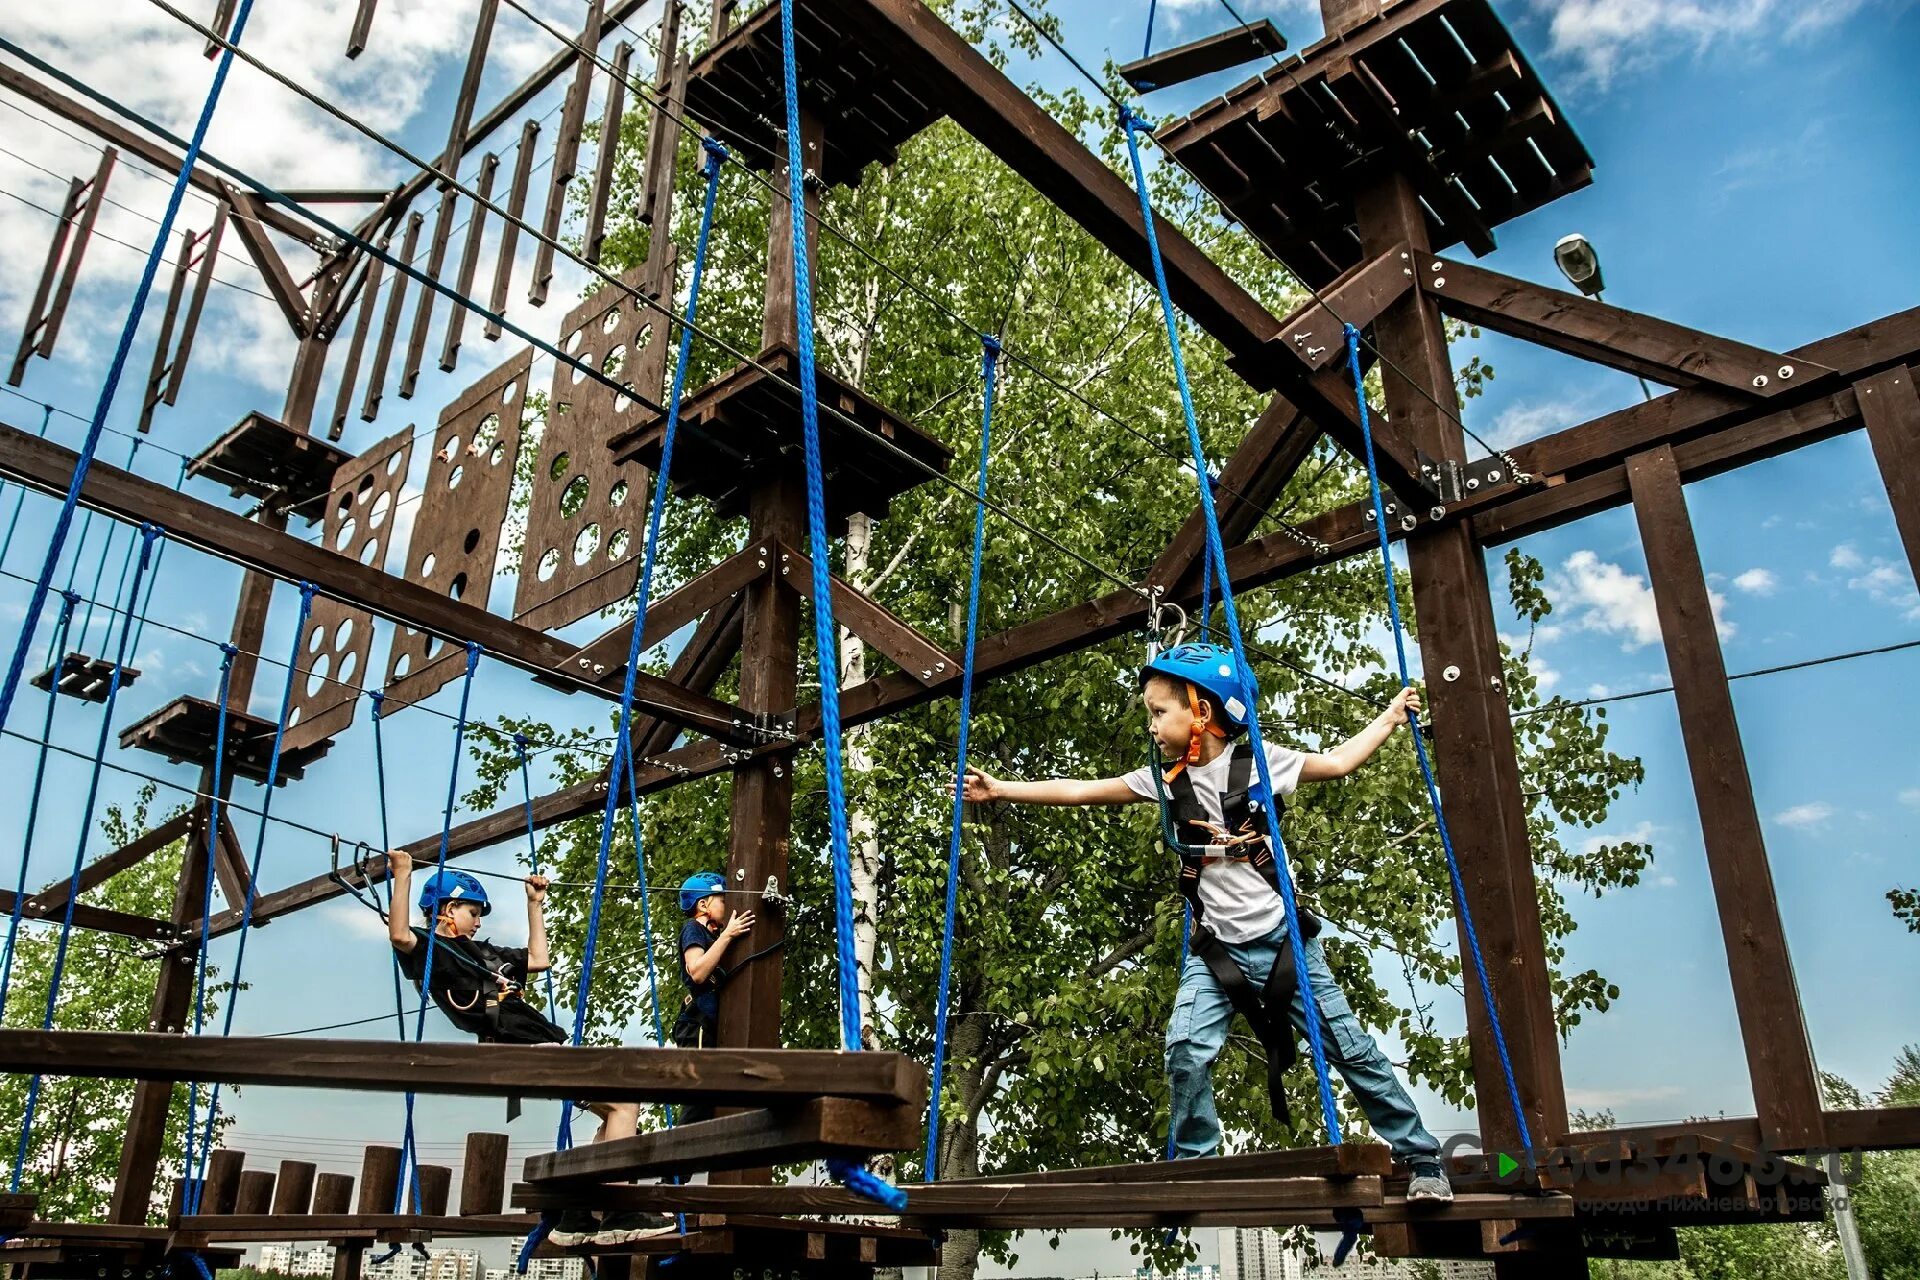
(616, 106)
(49, 271)
(483, 1174)
(362, 28)
(469, 262)
(209, 255)
(423, 311)
(379, 1179)
(222, 23)
(96, 196)
(436, 1183)
(390, 323)
(222, 1191)
(1786, 1087)
(510, 232)
(293, 1190)
(256, 1192)
(663, 130)
(566, 154)
(1891, 408)
(333, 1193)
(483, 22)
(50, 299)
(362, 324)
(157, 371)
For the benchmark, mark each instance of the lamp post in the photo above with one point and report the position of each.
(1579, 262)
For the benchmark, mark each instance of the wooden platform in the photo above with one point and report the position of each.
(89, 679)
(716, 1244)
(88, 1250)
(746, 421)
(266, 459)
(364, 1228)
(184, 730)
(1435, 88)
(1218, 52)
(867, 104)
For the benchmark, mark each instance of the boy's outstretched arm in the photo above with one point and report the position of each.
(538, 960)
(1324, 766)
(400, 877)
(982, 787)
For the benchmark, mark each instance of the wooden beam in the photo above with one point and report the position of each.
(595, 237)
(859, 613)
(423, 309)
(1316, 333)
(250, 225)
(1786, 1086)
(1203, 57)
(469, 263)
(604, 659)
(1892, 413)
(100, 870)
(589, 1073)
(241, 1228)
(815, 1130)
(99, 919)
(1621, 339)
(229, 863)
(45, 466)
(1346, 1160)
(483, 21)
(390, 322)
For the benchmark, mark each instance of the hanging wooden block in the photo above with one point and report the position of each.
(362, 28)
(510, 233)
(390, 324)
(73, 234)
(469, 260)
(222, 22)
(170, 359)
(663, 129)
(456, 537)
(566, 155)
(423, 312)
(338, 638)
(609, 152)
(363, 322)
(469, 87)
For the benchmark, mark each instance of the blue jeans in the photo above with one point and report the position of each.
(1198, 1030)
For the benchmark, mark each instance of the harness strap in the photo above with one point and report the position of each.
(1266, 1011)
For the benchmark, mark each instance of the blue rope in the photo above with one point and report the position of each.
(856, 1176)
(409, 1149)
(533, 846)
(1420, 749)
(195, 1179)
(153, 578)
(148, 533)
(20, 491)
(162, 236)
(379, 700)
(989, 363)
(100, 568)
(59, 646)
(1146, 50)
(1131, 122)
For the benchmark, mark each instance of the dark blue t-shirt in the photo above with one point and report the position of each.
(706, 995)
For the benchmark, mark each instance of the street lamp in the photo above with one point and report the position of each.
(1579, 262)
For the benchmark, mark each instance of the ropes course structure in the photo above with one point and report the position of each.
(1356, 162)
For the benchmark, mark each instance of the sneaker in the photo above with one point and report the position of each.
(1429, 1186)
(625, 1228)
(573, 1227)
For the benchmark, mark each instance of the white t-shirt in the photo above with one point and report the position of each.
(1239, 904)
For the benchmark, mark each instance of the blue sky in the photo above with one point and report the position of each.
(1754, 177)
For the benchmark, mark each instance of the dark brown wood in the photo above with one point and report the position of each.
(76, 675)
(209, 255)
(354, 1229)
(861, 614)
(566, 154)
(36, 312)
(1473, 749)
(356, 345)
(1786, 1085)
(510, 228)
(1891, 411)
(249, 224)
(1627, 340)
(604, 659)
(102, 919)
(483, 19)
(616, 105)
(293, 1189)
(815, 1130)
(379, 1179)
(157, 370)
(723, 1075)
(1203, 57)
(663, 129)
(423, 310)
(256, 1192)
(332, 1193)
(779, 323)
(1280, 439)
(469, 263)
(436, 1183)
(390, 323)
(95, 194)
(362, 28)
(187, 730)
(48, 468)
(54, 897)
(282, 466)
(230, 865)
(222, 1189)
(483, 1175)
(1316, 333)
(1346, 1160)
(347, 1260)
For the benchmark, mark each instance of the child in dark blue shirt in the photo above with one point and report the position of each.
(704, 939)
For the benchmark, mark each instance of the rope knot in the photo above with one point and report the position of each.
(1132, 120)
(230, 651)
(379, 700)
(717, 154)
(473, 656)
(307, 592)
(990, 346)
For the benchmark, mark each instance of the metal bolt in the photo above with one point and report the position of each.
(1451, 674)
(1392, 507)
(779, 772)
(1407, 522)
(1370, 514)
(763, 565)
(1495, 682)
(1759, 380)
(1436, 513)
(939, 666)
(1439, 282)
(1493, 476)
(1473, 482)
(1434, 267)
(926, 673)
(1403, 255)
(1299, 338)
(739, 873)
(585, 663)
(1314, 351)
(783, 570)
(1406, 271)
(599, 668)
(1785, 371)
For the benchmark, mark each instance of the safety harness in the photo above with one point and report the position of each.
(1199, 842)
(482, 993)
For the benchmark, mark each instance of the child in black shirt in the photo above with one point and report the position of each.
(703, 944)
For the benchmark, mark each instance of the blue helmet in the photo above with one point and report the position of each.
(701, 884)
(1211, 669)
(446, 886)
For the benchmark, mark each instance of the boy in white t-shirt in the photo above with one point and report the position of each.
(1197, 705)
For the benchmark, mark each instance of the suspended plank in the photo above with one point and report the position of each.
(390, 325)
(469, 87)
(423, 311)
(362, 325)
(663, 130)
(469, 261)
(362, 28)
(510, 233)
(1218, 52)
(174, 366)
(73, 234)
(609, 151)
(566, 154)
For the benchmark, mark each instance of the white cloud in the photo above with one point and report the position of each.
(1756, 582)
(1606, 39)
(1911, 796)
(1597, 690)
(1519, 423)
(1845, 557)
(1887, 583)
(1639, 833)
(1608, 599)
(1811, 814)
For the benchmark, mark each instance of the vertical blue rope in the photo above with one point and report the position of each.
(1217, 553)
(1420, 748)
(162, 236)
(409, 1150)
(533, 846)
(153, 578)
(20, 491)
(259, 844)
(989, 363)
(195, 1178)
(59, 646)
(148, 533)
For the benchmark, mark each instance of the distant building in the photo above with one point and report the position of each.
(1262, 1253)
(287, 1260)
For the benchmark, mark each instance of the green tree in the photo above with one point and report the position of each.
(73, 1154)
(1069, 923)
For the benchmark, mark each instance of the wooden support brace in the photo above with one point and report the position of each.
(390, 323)
(610, 117)
(100, 919)
(510, 230)
(1316, 333)
(862, 615)
(54, 897)
(604, 659)
(230, 862)
(1891, 411)
(1786, 1086)
(469, 262)
(250, 226)
(1621, 339)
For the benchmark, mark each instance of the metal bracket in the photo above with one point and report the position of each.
(1456, 481)
(772, 895)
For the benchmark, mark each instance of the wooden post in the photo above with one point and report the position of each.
(379, 1179)
(222, 1191)
(346, 1261)
(256, 1192)
(333, 1193)
(293, 1191)
(1892, 412)
(483, 1174)
(1786, 1087)
(436, 1182)
(778, 323)
(1473, 750)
